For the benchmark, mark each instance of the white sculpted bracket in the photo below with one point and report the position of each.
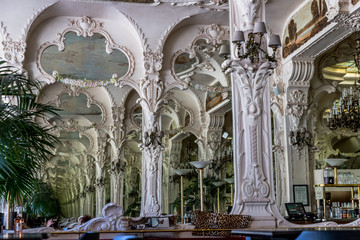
(86, 27)
(252, 77)
(299, 74)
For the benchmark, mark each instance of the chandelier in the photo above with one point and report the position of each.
(345, 112)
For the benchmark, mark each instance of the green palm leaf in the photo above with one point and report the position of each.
(24, 144)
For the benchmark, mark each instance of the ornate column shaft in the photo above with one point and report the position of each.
(100, 176)
(117, 165)
(252, 143)
(253, 167)
(151, 92)
(214, 131)
(297, 84)
(151, 166)
(117, 170)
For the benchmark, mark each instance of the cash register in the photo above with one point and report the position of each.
(297, 212)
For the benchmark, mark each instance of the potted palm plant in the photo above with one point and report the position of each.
(24, 144)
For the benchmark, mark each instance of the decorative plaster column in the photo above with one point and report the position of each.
(117, 172)
(297, 83)
(117, 165)
(100, 195)
(215, 128)
(253, 167)
(151, 166)
(151, 92)
(252, 141)
(174, 163)
(89, 200)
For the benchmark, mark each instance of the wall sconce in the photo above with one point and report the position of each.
(300, 138)
(253, 49)
(153, 137)
(224, 51)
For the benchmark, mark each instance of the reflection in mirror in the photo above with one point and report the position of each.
(210, 89)
(132, 174)
(71, 172)
(137, 115)
(77, 62)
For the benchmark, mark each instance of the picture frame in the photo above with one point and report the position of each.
(301, 194)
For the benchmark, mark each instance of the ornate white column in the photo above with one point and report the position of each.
(100, 175)
(117, 171)
(214, 133)
(117, 165)
(100, 195)
(88, 188)
(174, 163)
(252, 141)
(151, 92)
(253, 167)
(297, 83)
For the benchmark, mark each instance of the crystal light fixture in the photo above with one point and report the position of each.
(345, 112)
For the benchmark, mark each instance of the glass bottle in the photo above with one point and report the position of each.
(19, 220)
(329, 175)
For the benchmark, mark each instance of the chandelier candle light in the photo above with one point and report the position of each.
(201, 165)
(345, 112)
(253, 48)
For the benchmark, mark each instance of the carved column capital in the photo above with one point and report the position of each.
(297, 76)
(117, 167)
(251, 79)
(99, 182)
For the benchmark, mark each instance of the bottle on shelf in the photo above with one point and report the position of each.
(19, 220)
(328, 175)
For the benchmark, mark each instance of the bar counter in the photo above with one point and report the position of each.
(318, 233)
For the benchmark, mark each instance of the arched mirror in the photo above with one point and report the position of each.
(132, 174)
(205, 131)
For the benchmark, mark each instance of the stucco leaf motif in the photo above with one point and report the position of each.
(14, 51)
(152, 90)
(214, 35)
(297, 96)
(86, 26)
(296, 110)
(152, 154)
(153, 62)
(252, 78)
(249, 9)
